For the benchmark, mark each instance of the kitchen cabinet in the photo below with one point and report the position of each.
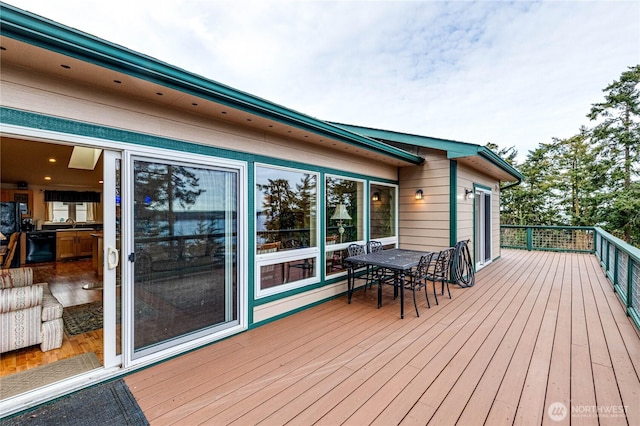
(73, 244)
(22, 196)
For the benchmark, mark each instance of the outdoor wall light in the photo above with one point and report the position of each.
(468, 193)
(419, 194)
(376, 196)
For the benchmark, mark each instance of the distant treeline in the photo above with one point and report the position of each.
(590, 179)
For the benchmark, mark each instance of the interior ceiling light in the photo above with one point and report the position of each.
(84, 158)
(52, 160)
(47, 178)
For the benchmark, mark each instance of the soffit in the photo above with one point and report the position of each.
(47, 62)
(482, 165)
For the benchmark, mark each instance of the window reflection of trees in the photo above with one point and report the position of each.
(382, 220)
(346, 192)
(288, 213)
(172, 222)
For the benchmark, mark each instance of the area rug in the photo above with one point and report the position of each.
(88, 317)
(82, 318)
(33, 378)
(106, 404)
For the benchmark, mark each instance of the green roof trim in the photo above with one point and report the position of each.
(33, 29)
(454, 149)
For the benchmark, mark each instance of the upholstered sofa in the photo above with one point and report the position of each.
(29, 313)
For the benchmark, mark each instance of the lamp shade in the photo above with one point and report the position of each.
(341, 213)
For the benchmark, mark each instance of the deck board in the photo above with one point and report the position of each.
(537, 328)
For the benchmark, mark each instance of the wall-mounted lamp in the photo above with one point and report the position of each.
(468, 193)
(419, 194)
(376, 196)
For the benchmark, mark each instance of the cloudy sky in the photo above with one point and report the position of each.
(513, 73)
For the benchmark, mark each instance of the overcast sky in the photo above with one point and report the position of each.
(513, 73)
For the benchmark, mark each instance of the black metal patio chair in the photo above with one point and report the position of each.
(440, 271)
(356, 268)
(377, 273)
(418, 279)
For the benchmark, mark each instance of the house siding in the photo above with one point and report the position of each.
(49, 95)
(424, 224)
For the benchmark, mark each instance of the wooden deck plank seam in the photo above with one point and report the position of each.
(520, 305)
(477, 319)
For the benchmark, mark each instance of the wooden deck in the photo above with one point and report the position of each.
(537, 329)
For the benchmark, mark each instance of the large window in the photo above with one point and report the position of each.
(286, 228)
(383, 211)
(344, 219)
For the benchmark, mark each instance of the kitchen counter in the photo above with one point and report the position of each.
(64, 226)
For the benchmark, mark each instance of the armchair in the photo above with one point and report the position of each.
(29, 313)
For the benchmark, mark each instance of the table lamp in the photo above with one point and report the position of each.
(340, 215)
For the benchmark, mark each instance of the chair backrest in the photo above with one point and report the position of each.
(16, 277)
(331, 239)
(11, 250)
(422, 270)
(374, 246)
(292, 243)
(268, 247)
(355, 249)
(441, 268)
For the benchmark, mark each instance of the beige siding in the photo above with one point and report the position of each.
(424, 224)
(288, 304)
(59, 98)
(467, 177)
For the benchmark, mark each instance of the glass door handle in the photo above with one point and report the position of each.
(113, 258)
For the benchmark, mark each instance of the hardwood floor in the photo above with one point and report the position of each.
(65, 281)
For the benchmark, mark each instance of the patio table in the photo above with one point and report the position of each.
(399, 261)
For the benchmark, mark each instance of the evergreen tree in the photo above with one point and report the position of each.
(536, 200)
(580, 178)
(617, 136)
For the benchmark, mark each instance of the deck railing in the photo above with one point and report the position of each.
(555, 238)
(620, 261)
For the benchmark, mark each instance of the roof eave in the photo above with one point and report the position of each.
(36, 30)
(454, 149)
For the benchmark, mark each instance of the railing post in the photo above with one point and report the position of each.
(529, 238)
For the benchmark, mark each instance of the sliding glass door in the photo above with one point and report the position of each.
(184, 264)
(482, 227)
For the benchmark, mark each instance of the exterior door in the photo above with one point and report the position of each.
(482, 228)
(182, 261)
